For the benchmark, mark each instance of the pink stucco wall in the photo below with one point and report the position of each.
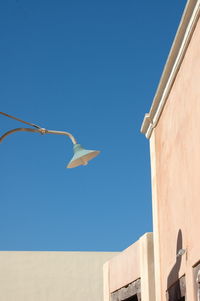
(124, 268)
(176, 148)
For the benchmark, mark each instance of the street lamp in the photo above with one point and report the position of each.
(81, 155)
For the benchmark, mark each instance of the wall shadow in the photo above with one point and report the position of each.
(173, 282)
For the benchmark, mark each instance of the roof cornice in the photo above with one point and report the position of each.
(182, 39)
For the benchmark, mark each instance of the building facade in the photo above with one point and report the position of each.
(173, 127)
(129, 276)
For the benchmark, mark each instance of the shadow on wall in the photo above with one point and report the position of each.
(176, 286)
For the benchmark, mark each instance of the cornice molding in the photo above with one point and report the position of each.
(179, 47)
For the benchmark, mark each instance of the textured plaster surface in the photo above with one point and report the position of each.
(132, 266)
(176, 180)
(50, 276)
(125, 267)
(147, 267)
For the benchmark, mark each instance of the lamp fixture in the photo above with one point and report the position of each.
(81, 155)
(181, 252)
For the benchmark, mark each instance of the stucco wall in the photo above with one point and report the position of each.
(125, 267)
(175, 159)
(135, 262)
(50, 276)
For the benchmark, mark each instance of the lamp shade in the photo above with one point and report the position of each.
(81, 156)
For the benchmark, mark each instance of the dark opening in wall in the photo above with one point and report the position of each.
(133, 298)
(130, 292)
(196, 273)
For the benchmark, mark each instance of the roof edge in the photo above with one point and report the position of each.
(181, 41)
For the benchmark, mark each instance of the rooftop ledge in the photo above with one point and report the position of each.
(182, 39)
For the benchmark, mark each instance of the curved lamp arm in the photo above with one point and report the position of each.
(39, 130)
(81, 155)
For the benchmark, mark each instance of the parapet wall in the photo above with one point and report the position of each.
(131, 272)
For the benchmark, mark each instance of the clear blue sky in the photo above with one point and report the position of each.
(91, 68)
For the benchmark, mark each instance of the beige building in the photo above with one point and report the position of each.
(129, 276)
(173, 128)
(52, 276)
